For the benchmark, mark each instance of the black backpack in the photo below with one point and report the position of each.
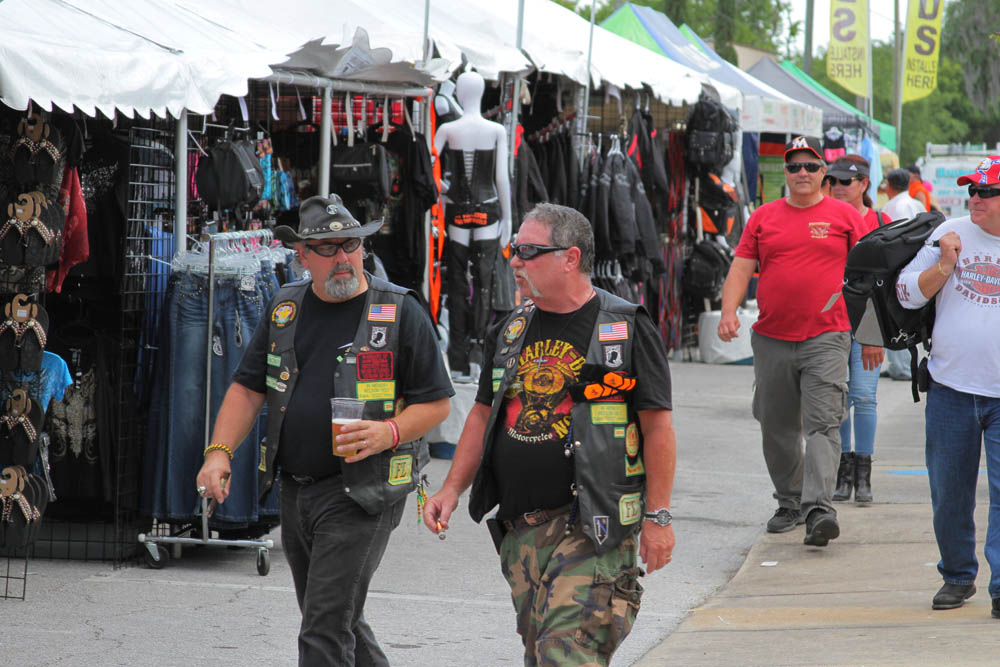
(230, 175)
(710, 133)
(705, 270)
(873, 265)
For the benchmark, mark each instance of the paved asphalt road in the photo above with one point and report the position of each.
(432, 602)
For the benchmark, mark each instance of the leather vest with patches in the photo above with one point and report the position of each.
(369, 371)
(605, 435)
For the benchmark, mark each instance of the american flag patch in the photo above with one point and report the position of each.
(613, 331)
(383, 312)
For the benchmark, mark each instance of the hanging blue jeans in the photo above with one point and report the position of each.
(861, 388)
(177, 429)
(957, 426)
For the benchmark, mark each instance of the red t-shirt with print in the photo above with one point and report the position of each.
(802, 252)
(871, 220)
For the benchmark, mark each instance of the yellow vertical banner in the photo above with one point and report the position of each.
(923, 46)
(847, 57)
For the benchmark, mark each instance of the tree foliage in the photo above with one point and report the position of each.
(759, 23)
(969, 37)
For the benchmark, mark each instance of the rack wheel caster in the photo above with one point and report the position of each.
(159, 561)
(263, 562)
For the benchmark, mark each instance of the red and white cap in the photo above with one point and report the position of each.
(986, 173)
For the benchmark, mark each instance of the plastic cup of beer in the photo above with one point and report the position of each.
(344, 411)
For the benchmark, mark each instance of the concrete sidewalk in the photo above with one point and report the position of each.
(865, 599)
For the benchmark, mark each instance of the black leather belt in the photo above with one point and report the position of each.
(303, 480)
(535, 518)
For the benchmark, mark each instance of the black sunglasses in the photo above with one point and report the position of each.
(796, 167)
(533, 250)
(984, 191)
(331, 249)
(843, 181)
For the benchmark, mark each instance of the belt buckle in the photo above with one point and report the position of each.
(536, 517)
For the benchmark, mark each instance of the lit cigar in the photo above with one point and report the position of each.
(440, 531)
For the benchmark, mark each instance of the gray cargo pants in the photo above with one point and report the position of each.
(801, 390)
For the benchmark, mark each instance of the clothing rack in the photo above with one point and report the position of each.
(156, 554)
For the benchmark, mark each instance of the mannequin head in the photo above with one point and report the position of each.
(469, 90)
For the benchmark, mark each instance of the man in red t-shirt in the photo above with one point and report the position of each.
(801, 339)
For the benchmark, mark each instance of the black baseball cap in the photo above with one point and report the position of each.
(803, 143)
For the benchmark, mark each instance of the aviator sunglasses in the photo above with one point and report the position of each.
(984, 191)
(331, 249)
(533, 250)
(796, 167)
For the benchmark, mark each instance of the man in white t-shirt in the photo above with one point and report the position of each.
(901, 205)
(962, 413)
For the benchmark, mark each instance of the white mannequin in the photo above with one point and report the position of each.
(473, 132)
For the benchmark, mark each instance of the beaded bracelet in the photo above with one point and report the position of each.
(219, 445)
(395, 433)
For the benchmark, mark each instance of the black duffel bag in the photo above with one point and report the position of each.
(361, 170)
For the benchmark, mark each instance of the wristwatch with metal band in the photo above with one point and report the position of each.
(660, 517)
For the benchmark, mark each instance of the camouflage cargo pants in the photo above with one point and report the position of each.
(573, 606)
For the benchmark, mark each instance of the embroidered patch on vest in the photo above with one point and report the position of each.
(382, 312)
(629, 509)
(608, 413)
(387, 406)
(273, 360)
(613, 331)
(283, 314)
(632, 440)
(619, 432)
(262, 466)
(273, 383)
(514, 329)
(601, 528)
(634, 469)
(379, 337)
(375, 366)
(613, 356)
(400, 470)
(376, 391)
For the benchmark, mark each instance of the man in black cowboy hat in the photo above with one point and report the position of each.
(347, 334)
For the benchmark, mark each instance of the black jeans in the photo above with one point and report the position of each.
(333, 548)
(469, 313)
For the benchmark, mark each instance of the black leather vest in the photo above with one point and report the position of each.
(606, 438)
(369, 371)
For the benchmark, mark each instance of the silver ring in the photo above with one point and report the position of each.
(202, 490)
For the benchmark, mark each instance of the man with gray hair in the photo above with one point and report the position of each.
(572, 436)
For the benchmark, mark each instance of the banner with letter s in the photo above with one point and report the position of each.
(847, 57)
(923, 47)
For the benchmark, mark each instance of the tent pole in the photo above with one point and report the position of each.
(515, 109)
(590, 52)
(180, 189)
(325, 129)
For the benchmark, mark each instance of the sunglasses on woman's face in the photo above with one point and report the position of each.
(330, 249)
(984, 191)
(796, 167)
(842, 181)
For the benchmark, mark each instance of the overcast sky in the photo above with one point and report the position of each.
(881, 21)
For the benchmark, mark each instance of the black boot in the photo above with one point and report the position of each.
(845, 477)
(862, 479)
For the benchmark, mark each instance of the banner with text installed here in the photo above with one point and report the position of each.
(847, 57)
(923, 46)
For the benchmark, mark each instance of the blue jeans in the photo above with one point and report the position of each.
(899, 364)
(861, 387)
(957, 425)
(176, 435)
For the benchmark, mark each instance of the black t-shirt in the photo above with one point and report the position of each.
(527, 460)
(325, 332)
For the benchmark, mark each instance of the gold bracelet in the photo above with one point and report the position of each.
(941, 271)
(219, 445)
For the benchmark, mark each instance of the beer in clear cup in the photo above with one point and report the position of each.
(344, 411)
